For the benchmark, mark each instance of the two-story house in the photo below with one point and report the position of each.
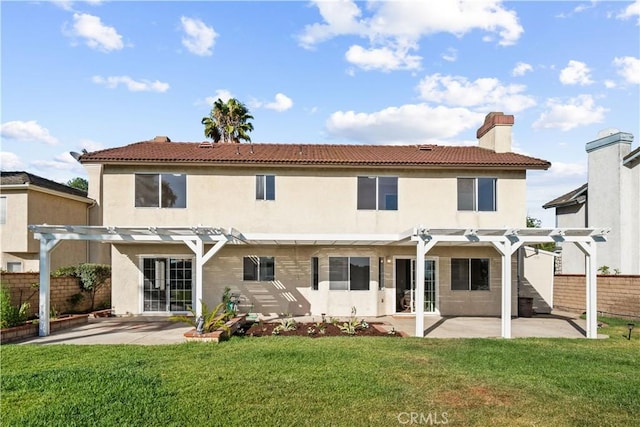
(313, 229)
(25, 199)
(611, 197)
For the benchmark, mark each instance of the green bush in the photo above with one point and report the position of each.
(92, 277)
(11, 315)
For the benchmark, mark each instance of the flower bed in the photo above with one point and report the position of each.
(319, 330)
(30, 329)
(231, 327)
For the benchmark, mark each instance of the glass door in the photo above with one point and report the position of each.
(406, 285)
(167, 284)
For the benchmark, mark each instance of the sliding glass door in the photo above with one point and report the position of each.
(167, 284)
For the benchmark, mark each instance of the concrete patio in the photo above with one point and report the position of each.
(156, 331)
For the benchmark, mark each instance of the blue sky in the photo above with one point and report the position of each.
(99, 74)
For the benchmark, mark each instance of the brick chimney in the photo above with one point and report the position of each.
(495, 133)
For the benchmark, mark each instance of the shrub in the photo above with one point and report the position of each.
(214, 319)
(92, 277)
(11, 315)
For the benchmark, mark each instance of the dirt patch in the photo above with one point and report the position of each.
(319, 330)
(472, 397)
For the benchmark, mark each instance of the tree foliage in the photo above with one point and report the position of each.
(228, 122)
(536, 223)
(92, 277)
(79, 183)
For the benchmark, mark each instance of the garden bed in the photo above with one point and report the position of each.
(30, 329)
(319, 330)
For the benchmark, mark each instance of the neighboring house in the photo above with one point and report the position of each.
(29, 199)
(307, 229)
(610, 198)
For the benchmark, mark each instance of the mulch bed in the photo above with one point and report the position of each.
(313, 330)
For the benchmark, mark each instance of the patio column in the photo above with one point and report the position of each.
(46, 246)
(197, 246)
(504, 247)
(589, 249)
(421, 250)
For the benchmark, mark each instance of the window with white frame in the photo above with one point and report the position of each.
(477, 194)
(160, 190)
(378, 193)
(3, 210)
(349, 273)
(469, 274)
(265, 187)
(315, 273)
(259, 269)
(14, 267)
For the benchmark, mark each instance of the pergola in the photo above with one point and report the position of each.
(505, 240)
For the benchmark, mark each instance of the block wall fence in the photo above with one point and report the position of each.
(618, 295)
(21, 287)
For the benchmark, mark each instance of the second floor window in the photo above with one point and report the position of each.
(378, 193)
(477, 194)
(3, 210)
(161, 190)
(265, 187)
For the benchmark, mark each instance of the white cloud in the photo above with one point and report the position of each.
(199, 38)
(222, 94)
(521, 69)
(609, 84)
(10, 161)
(630, 11)
(91, 145)
(143, 85)
(629, 68)
(407, 124)
(96, 35)
(68, 4)
(488, 94)
(384, 58)
(451, 55)
(393, 28)
(280, 103)
(576, 72)
(27, 131)
(579, 111)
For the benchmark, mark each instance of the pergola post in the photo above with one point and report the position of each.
(589, 249)
(197, 246)
(421, 250)
(46, 246)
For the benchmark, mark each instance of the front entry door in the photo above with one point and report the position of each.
(406, 285)
(167, 284)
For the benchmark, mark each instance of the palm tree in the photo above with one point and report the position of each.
(228, 122)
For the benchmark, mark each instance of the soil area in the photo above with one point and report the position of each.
(318, 330)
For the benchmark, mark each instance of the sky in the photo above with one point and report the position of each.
(97, 74)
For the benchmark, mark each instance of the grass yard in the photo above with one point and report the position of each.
(342, 381)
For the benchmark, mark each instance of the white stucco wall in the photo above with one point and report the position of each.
(574, 216)
(313, 200)
(538, 270)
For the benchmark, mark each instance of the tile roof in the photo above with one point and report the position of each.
(313, 154)
(21, 177)
(573, 197)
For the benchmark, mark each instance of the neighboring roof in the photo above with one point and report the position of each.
(312, 154)
(21, 178)
(633, 158)
(574, 197)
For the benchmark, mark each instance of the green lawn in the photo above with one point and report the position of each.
(344, 381)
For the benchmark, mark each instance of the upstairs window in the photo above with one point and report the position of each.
(161, 190)
(349, 273)
(378, 193)
(259, 269)
(477, 194)
(265, 187)
(469, 274)
(3, 210)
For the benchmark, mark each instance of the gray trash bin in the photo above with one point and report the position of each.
(525, 306)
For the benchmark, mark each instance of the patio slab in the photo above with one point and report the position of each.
(158, 331)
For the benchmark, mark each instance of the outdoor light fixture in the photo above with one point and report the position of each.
(630, 327)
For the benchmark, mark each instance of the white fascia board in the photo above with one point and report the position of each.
(315, 237)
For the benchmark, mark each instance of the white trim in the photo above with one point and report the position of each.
(141, 258)
(33, 187)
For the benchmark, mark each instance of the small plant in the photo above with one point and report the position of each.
(334, 321)
(353, 324)
(53, 313)
(11, 315)
(288, 324)
(214, 319)
(604, 269)
(311, 330)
